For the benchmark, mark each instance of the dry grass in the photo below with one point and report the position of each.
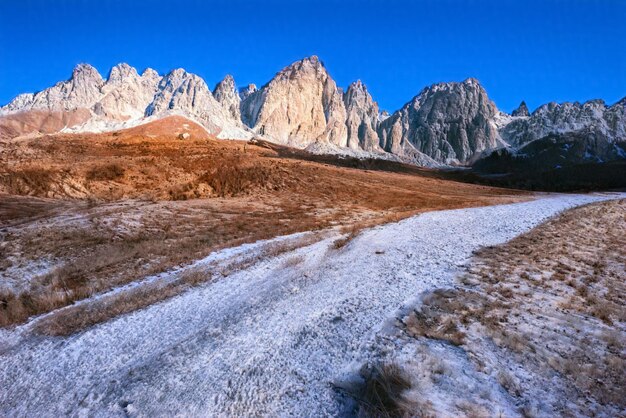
(551, 303)
(149, 161)
(105, 172)
(350, 233)
(437, 318)
(78, 317)
(382, 392)
(293, 261)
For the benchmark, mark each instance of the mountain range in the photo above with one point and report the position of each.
(452, 123)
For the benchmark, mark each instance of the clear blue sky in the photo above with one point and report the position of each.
(538, 51)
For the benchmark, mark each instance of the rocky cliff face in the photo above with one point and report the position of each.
(448, 122)
(188, 94)
(244, 92)
(361, 118)
(300, 105)
(226, 94)
(82, 90)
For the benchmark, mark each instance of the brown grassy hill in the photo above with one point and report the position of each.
(152, 161)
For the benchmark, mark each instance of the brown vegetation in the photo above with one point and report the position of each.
(105, 172)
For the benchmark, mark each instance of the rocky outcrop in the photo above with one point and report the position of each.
(449, 122)
(226, 94)
(21, 102)
(244, 92)
(361, 118)
(300, 105)
(522, 110)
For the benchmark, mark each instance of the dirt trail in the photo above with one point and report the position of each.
(268, 340)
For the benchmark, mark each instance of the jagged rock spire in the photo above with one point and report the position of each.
(225, 93)
(522, 110)
(362, 117)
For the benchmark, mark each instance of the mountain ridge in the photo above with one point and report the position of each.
(302, 106)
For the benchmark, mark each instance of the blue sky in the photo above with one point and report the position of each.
(538, 51)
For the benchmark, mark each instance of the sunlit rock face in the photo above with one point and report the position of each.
(300, 105)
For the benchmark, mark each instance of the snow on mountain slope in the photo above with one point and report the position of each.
(554, 118)
(267, 340)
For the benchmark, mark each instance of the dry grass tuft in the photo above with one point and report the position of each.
(435, 319)
(293, 261)
(382, 392)
(350, 232)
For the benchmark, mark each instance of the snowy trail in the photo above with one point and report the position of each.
(264, 341)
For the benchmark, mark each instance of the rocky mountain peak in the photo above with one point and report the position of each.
(226, 86)
(471, 81)
(299, 105)
(356, 88)
(522, 110)
(607, 123)
(80, 91)
(126, 94)
(309, 65)
(225, 93)
(174, 77)
(121, 72)
(361, 117)
(447, 121)
(21, 102)
(228, 81)
(85, 73)
(151, 74)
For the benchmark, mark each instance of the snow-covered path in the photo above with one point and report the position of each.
(264, 341)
